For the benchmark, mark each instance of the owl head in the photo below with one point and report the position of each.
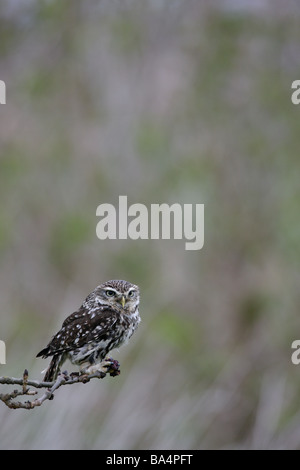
(118, 294)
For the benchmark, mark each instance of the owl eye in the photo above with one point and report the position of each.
(110, 293)
(131, 293)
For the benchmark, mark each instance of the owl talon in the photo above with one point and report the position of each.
(65, 374)
(107, 366)
(74, 374)
(112, 366)
(84, 378)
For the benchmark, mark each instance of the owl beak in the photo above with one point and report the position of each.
(123, 301)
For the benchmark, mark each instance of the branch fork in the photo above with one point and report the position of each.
(108, 366)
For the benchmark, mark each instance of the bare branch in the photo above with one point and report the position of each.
(108, 366)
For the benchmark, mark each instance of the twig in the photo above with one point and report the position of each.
(113, 369)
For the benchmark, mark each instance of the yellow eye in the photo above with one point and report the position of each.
(131, 293)
(110, 293)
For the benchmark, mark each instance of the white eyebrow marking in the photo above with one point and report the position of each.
(111, 288)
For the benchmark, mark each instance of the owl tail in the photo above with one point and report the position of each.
(54, 368)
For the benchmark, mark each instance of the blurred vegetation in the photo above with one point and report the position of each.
(162, 101)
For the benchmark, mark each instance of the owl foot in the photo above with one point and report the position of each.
(112, 366)
(107, 366)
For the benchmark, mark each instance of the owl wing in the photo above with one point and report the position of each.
(81, 327)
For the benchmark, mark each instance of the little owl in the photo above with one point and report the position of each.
(107, 318)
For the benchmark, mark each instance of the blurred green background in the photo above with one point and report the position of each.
(162, 101)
